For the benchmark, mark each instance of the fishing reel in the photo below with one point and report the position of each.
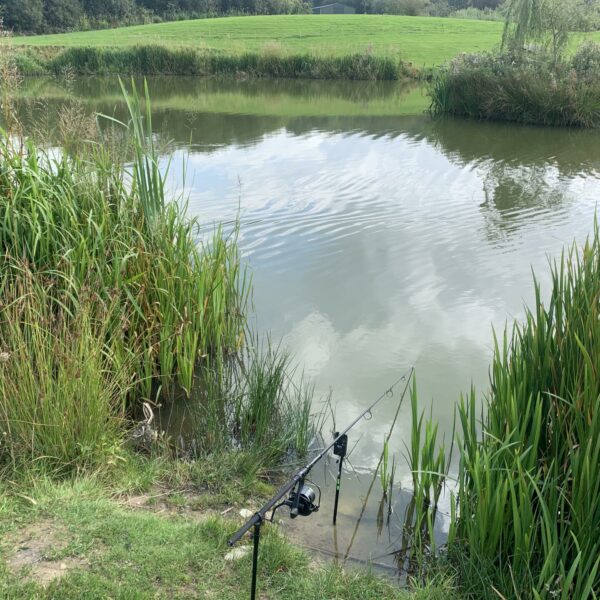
(301, 501)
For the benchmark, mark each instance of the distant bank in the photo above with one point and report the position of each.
(289, 46)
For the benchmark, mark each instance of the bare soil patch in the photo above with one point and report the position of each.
(32, 552)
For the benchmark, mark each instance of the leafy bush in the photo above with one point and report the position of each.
(410, 8)
(62, 15)
(586, 61)
(481, 14)
(112, 10)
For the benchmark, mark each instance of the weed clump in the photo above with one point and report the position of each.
(527, 89)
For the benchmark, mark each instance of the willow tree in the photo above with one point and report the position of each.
(548, 23)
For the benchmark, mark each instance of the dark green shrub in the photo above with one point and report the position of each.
(410, 8)
(113, 10)
(586, 62)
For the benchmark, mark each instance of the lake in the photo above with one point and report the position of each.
(377, 237)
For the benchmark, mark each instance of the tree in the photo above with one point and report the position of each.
(549, 23)
(399, 7)
(62, 15)
(159, 6)
(23, 15)
(109, 9)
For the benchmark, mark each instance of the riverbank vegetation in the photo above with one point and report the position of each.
(535, 77)
(526, 505)
(114, 299)
(160, 60)
(524, 89)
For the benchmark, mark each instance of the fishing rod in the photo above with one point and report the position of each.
(301, 497)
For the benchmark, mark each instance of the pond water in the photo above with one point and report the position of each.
(377, 237)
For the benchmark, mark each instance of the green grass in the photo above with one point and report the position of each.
(159, 550)
(424, 41)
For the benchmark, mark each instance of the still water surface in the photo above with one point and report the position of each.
(377, 237)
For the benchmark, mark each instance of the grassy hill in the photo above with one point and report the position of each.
(424, 41)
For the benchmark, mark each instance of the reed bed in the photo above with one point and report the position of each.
(530, 89)
(76, 216)
(109, 298)
(526, 506)
(62, 393)
(161, 60)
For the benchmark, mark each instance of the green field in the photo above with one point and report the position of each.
(424, 41)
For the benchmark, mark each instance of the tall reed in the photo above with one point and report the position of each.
(180, 300)
(96, 261)
(62, 393)
(527, 508)
(161, 60)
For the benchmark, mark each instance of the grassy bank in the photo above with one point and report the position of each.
(422, 41)
(287, 46)
(359, 47)
(157, 531)
(526, 506)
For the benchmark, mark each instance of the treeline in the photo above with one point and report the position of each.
(48, 16)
